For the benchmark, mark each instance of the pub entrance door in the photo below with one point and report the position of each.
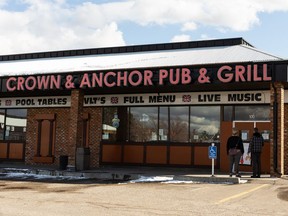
(246, 132)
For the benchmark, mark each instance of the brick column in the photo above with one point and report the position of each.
(75, 124)
(286, 139)
(277, 140)
(95, 134)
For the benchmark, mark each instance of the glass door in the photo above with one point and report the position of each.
(246, 132)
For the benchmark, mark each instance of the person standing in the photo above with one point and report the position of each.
(234, 144)
(254, 151)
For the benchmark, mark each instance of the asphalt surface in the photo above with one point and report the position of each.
(41, 190)
(258, 197)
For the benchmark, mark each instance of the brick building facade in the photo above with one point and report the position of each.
(148, 105)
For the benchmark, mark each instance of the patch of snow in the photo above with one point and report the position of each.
(117, 61)
(16, 169)
(38, 176)
(162, 179)
(152, 179)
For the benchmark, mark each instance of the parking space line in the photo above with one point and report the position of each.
(241, 194)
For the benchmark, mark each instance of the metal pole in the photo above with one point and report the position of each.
(212, 164)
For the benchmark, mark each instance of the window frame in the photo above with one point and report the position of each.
(6, 116)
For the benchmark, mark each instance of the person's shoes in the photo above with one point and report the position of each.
(253, 176)
(238, 175)
(257, 176)
(230, 175)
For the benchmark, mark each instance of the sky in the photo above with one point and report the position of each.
(47, 25)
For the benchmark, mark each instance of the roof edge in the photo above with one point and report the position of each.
(127, 49)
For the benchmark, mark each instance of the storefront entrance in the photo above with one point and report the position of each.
(246, 131)
(180, 135)
(160, 135)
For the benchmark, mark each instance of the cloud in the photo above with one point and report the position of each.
(189, 26)
(40, 25)
(236, 15)
(55, 25)
(180, 38)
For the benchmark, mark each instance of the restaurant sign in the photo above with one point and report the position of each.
(255, 97)
(141, 77)
(183, 98)
(29, 102)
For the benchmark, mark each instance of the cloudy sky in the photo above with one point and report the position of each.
(45, 25)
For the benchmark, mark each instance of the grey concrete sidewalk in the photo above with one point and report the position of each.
(132, 173)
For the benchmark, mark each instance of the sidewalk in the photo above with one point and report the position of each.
(136, 174)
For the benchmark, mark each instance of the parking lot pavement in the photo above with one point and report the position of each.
(131, 198)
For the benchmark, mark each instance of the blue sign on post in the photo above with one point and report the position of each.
(212, 152)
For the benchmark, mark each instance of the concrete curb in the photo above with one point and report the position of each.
(118, 176)
(63, 173)
(211, 179)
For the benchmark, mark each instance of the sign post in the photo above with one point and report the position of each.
(212, 151)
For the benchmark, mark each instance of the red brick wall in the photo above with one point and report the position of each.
(61, 138)
(280, 126)
(75, 124)
(62, 145)
(282, 136)
(95, 134)
(286, 140)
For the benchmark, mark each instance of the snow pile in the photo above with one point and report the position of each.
(162, 179)
(16, 175)
(152, 179)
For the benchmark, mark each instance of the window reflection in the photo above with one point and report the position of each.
(167, 123)
(108, 131)
(228, 113)
(2, 122)
(205, 124)
(14, 124)
(179, 121)
(143, 124)
(246, 113)
(163, 124)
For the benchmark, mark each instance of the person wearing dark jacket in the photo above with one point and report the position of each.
(234, 142)
(255, 149)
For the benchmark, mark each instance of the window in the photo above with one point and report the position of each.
(228, 113)
(160, 124)
(163, 124)
(2, 122)
(204, 123)
(143, 124)
(247, 113)
(13, 124)
(252, 113)
(108, 131)
(179, 121)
